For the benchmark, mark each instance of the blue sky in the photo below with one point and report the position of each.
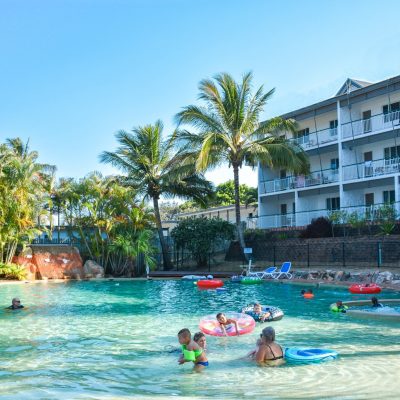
(73, 72)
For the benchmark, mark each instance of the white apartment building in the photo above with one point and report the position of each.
(353, 144)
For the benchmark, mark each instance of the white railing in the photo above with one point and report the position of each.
(376, 123)
(315, 178)
(370, 169)
(303, 218)
(317, 138)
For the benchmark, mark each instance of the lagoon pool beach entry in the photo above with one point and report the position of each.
(117, 340)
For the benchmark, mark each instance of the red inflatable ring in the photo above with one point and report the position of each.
(371, 288)
(210, 283)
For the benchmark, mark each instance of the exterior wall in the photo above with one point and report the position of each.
(355, 176)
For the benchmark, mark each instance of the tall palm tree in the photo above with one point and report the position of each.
(228, 130)
(157, 167)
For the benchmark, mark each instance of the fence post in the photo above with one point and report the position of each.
(343, 255)
(308, 255)
(274, 256)
(379, 254)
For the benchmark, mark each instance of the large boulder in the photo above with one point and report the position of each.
(93, 270)
(57, 262)
(26, 262)
(384, 277)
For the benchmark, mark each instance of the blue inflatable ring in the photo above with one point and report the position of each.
(309, 355)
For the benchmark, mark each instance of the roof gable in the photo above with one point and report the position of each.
(352, 84)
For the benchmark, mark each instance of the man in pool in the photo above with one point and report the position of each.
(15, 304)
(375, 302)
(191, 351)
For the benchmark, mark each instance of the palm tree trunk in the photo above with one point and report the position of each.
(237, 209)
(167, 261)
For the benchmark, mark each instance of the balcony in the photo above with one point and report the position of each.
(370, 169)
(303, 218)
(321, 177)
(376, 123)
(318, 138)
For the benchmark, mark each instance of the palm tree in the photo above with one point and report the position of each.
(228, 130)
(155, 168)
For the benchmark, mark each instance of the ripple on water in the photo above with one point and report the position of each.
(102, 341)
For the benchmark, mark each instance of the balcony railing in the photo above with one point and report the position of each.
(297, 182)
(317, 138)
(303, 218)
(369, 169)
(376, 123)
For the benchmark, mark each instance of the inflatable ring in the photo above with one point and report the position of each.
(308, 295)
(371, 288)
(251, 280)
(210, 283)
(276, 313)
(193, 277)
(210, 326)
(297, 354)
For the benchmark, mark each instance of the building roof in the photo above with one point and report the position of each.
(351, 85)
(364, 88)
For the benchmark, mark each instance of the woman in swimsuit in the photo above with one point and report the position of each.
(268, 351)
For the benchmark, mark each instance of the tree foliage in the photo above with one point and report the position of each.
(23, 191)
(225, 194)
(228, 131)
(157, 167)
(201, 236)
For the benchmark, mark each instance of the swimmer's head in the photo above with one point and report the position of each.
(339, 303)
(200, 339)
(268, 334)
(257, 307)
(221, 317)
(184, 336)
(374, 300)
(303, 291)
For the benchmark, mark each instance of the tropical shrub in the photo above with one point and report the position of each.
(202, 236)
(12, 271)
(319, 228)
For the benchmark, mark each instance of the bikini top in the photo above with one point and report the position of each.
(275, 358)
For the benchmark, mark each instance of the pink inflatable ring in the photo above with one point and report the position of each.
(210, 326)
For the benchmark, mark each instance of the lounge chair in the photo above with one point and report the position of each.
(267, 273)
(284, 271)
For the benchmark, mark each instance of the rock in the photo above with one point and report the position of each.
(92, 269)
(26, 262)
(338, 275)
(383, 277)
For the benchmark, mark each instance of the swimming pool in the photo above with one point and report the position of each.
(110, 340)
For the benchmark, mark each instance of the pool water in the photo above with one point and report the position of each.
(115, 340)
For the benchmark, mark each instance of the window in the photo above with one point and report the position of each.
(333, 127)
(283, 209)
(303, 136)
(369, 199)
(334, 163)
(366, 116)
(333, 203)
(388, 196)
(391, 112)
(391, 152)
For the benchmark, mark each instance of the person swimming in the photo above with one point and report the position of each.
(200, 339)
(191, 351)
(268, 352)
(15, 304)
(375, 302)
(339, 307)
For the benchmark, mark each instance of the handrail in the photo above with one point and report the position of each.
(318, 171)
(372, 116)
(372, 161)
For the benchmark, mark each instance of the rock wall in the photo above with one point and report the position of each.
(52, 262)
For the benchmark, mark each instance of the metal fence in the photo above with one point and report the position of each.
(338, 254)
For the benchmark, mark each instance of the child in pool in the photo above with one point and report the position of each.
(224, 322)
(258, 313)
(200, 339)
(191, 351)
